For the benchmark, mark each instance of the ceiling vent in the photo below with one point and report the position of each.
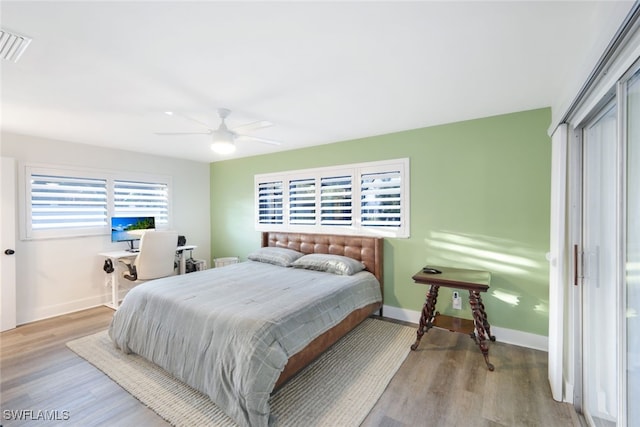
(12, 45)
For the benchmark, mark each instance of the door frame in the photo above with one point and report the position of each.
(8, 316)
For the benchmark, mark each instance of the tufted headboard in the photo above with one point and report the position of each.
(366, 249)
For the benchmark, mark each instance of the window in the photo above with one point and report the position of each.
(131, 198)
(380, 199)
(302, 201)
(61, 202)
(335, 201)
(270, 202)
(67, 202)
(365, 198)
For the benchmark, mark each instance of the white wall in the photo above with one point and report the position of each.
(58, 276)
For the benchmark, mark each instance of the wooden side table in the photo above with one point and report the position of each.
(475, 281)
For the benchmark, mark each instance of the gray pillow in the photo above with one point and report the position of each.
(277, 256)
(336, 264)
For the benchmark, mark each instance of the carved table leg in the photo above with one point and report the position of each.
(482, 327)
(428, 313)
(485, 322)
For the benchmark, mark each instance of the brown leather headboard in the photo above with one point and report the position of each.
(365, 249)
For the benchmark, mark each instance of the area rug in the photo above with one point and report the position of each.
(338, 389)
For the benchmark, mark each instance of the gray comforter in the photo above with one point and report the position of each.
(228, 332)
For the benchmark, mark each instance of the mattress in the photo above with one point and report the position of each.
(228, 332)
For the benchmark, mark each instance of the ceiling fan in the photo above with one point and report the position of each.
(223, 138)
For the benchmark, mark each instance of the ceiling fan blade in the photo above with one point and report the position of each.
(252, 126)
(258, 139)
(185, 117)
(182, 133)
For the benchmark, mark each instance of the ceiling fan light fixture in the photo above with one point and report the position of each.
(223, 147)
(223, 139)
(222, 142)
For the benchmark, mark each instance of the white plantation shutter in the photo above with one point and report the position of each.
(69, 202)
(66, 201)
(270, 202)
(364, 198)
(133, 198)
(381, 199)
(336, 201)
(302, 201)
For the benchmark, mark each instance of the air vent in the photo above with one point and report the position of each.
(12, 45)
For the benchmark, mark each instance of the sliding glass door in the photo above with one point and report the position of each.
(600, 283)
(610, 293)
(632, 267)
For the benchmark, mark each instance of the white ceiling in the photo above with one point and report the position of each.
(103, 73)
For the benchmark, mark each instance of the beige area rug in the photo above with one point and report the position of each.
(338, 389)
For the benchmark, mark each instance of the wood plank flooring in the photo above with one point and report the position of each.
(444, 383)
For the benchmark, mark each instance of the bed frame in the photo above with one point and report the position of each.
(368, 250)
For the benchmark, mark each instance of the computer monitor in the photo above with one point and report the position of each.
(130, 228)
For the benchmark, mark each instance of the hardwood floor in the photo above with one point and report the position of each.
(39, 373)
(444, 383)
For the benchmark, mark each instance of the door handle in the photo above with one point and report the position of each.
(9, 252)
(576, 266)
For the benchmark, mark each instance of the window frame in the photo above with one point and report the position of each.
(27, 232)
(355, 171)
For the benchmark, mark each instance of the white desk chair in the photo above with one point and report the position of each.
(156, 258)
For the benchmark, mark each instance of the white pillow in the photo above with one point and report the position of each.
(277, 256)
(336, 264)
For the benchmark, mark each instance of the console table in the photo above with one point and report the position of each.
(475, 281)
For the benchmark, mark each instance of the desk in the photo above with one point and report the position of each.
(116, 256)
(475, 281)
(180, 251)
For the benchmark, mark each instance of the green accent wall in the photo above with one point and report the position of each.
(480, 194)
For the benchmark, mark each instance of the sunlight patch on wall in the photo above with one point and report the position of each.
(519, 272)
(506, 296)
(495, 255)
(541, 308)
(492, 251)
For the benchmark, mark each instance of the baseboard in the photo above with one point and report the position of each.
(50, 311)
(509, 336)
(46, 312)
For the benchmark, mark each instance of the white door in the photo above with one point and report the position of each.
(7, 244)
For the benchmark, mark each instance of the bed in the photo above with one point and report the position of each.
(238, 333)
